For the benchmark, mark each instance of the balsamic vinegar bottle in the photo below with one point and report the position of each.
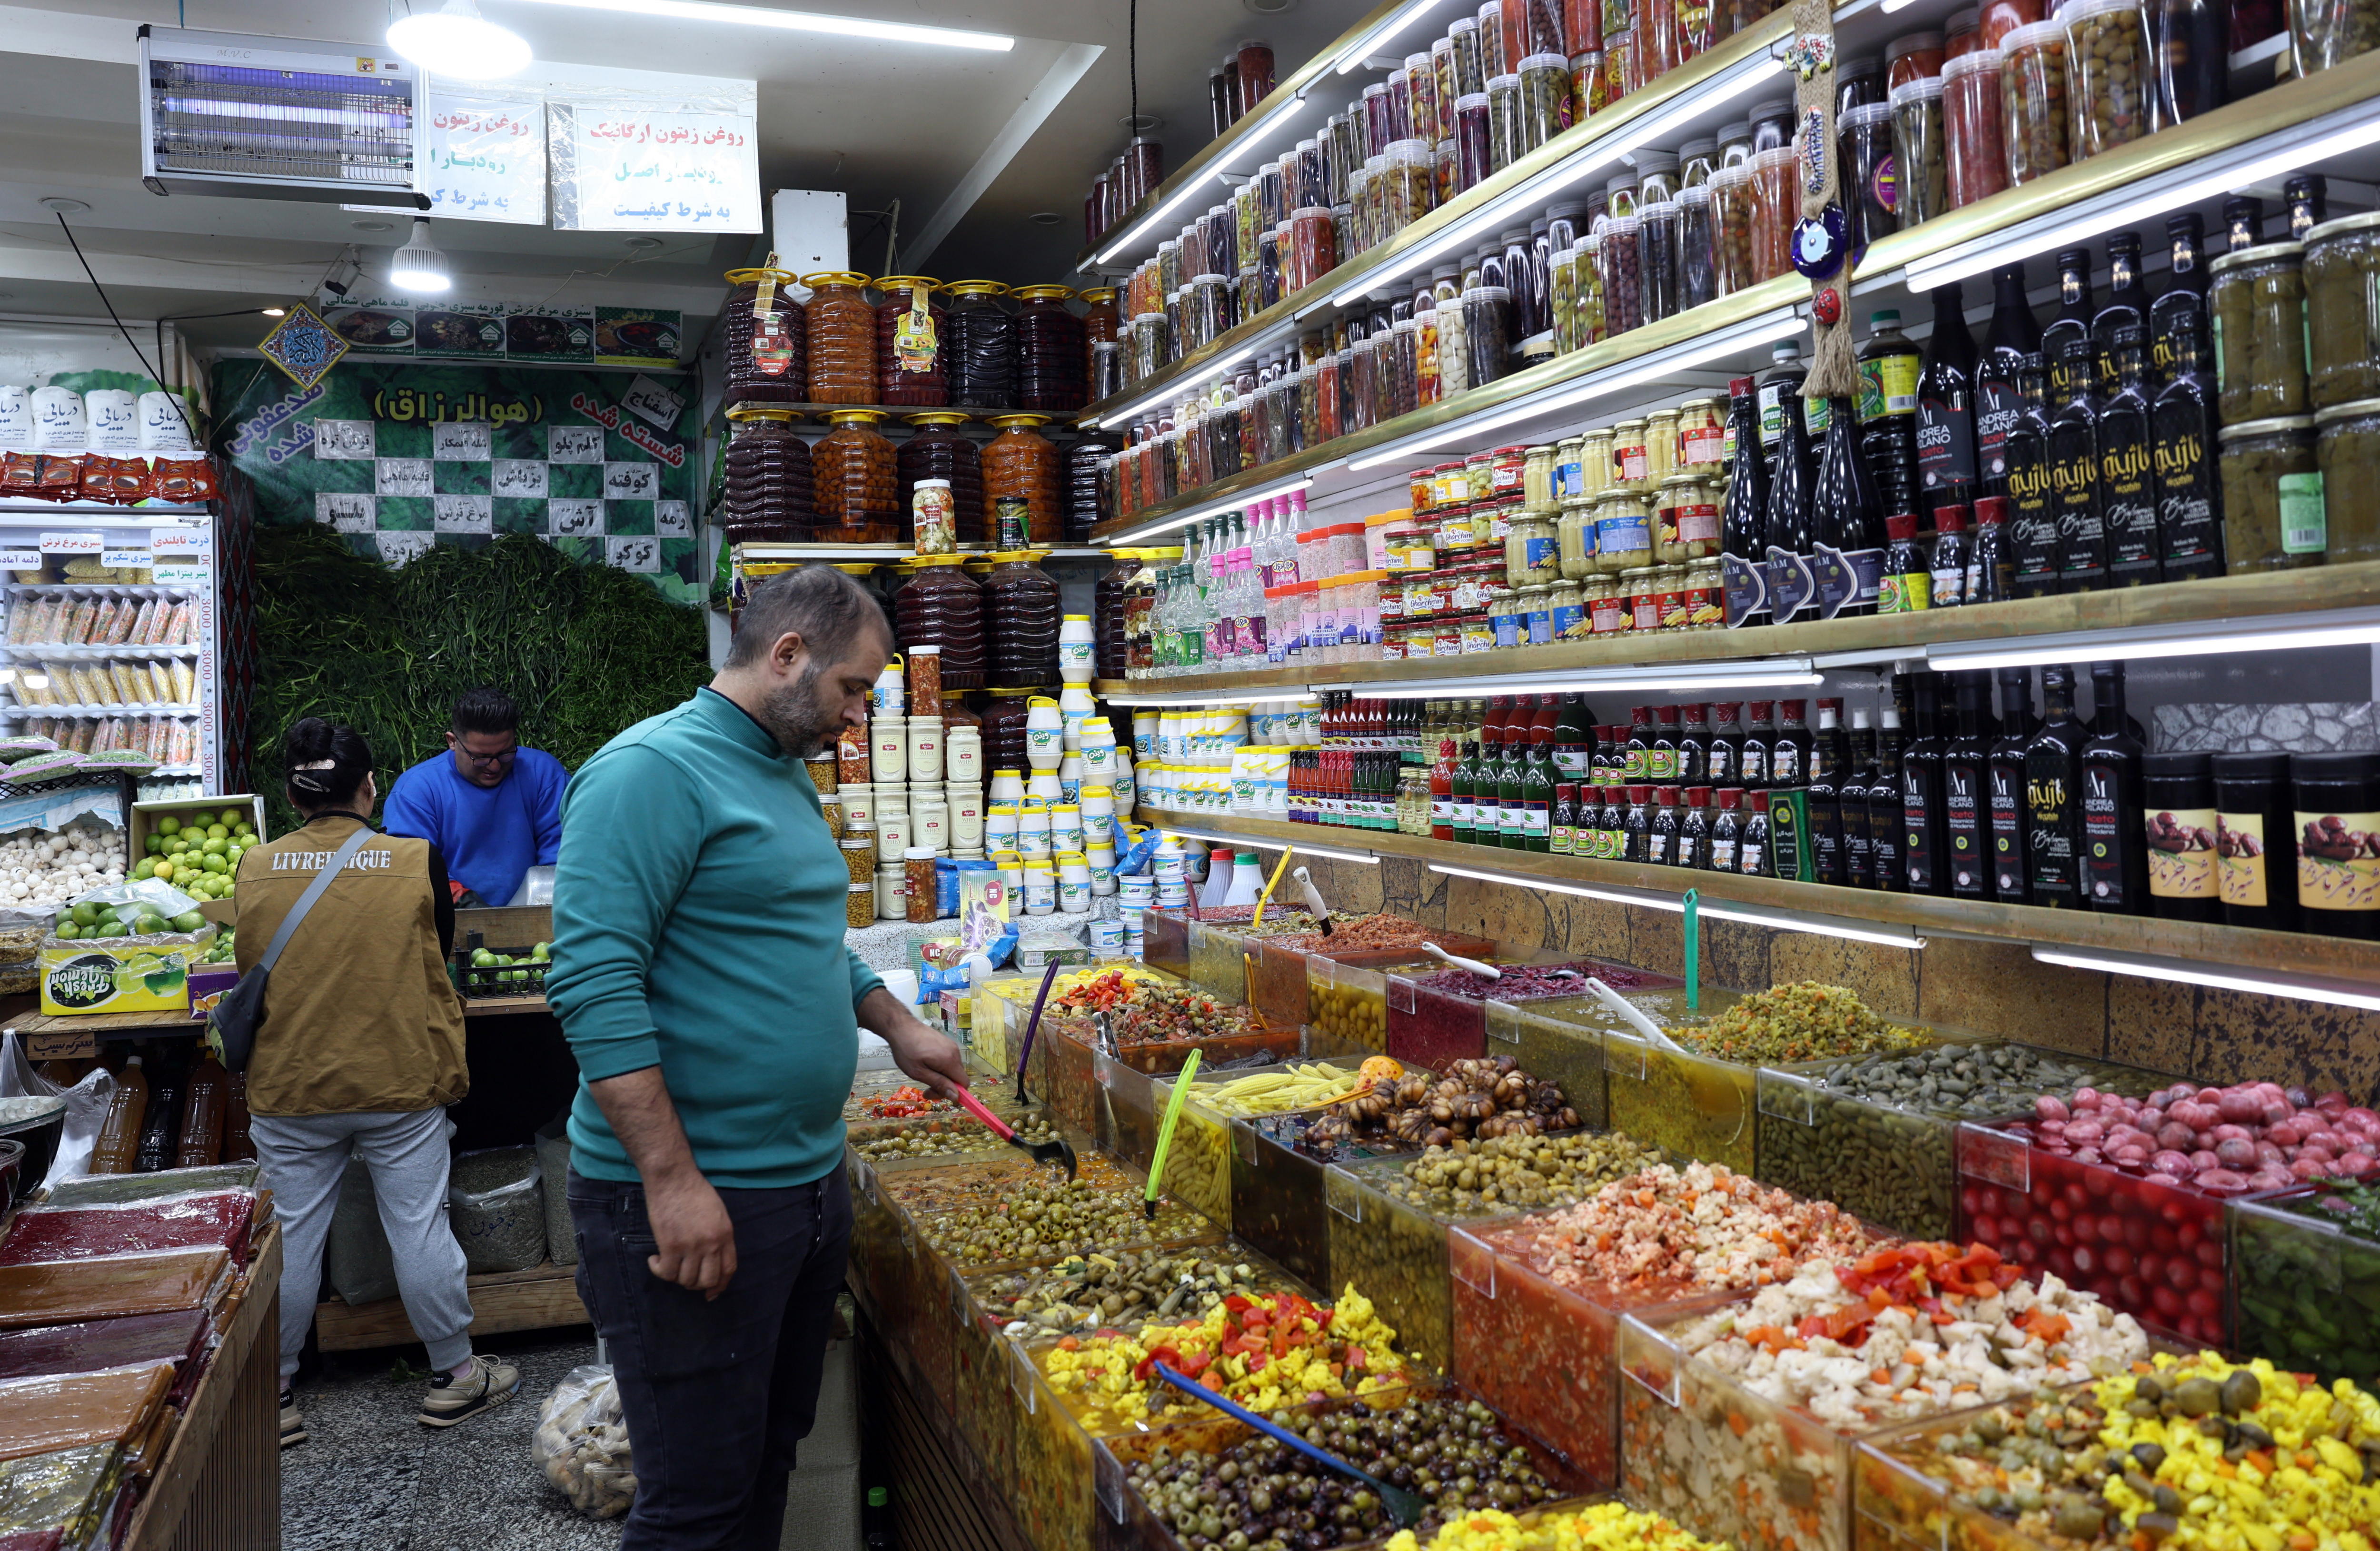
(1859, 774)
(1999, 400)
(1726, 751)
(1946, 410)
(2126, 304)
(2116, 862)
(1744, 529)
(1924, 830)
(1966, 781)
(2032, 519)
(1887, 860)
(1753, 751)
(2074, 475)
(2011, 870)
(2072, 322)
(1845, 511)
(1824, 801)
(2181, 311)
(1791, 477)
(2128, 494)
(2181, 454)
(2052, 795)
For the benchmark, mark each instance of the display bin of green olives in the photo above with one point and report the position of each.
(1824, 1129)
(1219, 947)
(2305, 1288)
(1348, 1001)
(1547, 1039)
(1102, 1207)
(1277, 1189)
(985, 1405)
(1121, 1291)
(935, 1140)
(1053, 1494)
(1390, 1218)
(1393, 1435)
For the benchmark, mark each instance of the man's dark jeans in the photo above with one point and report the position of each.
(717, 1393)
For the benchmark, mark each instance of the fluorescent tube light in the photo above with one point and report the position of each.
(2331, 628)
(1132, 535)
(1302, 849)
(1660, 366)
(1618, 678)
(794, 21)
(2334, 993)
(1822, 925)
(2261, 159)
(1158, 699)
(1616, 896)
(1377, 38)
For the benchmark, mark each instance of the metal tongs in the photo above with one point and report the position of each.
(1060, 1151)
(1404, 1507)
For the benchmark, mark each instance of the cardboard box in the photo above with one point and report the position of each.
(207, 983)
(104, 977)
(145, 816)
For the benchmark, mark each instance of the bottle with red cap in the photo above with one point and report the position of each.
(1991, 565)
(1751, 851)
(1726, 829)
(1695, 831)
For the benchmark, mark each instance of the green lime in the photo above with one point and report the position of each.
(87, 915)
(214, 863)
(232, 816)
(68, 931)
(216, 845)
(169, 825)
(154, 844)
(189, 921)
(481, 958)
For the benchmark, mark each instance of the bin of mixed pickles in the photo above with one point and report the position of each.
(1217, 1482)
(2188, 1449)
(1875, 1134)
(981, 1226)
(1277, 959)
(1697, 1101)
(2126, 1195)
(1388, 1216)
(1198, 1165)
(2307, 1292)
(1440, 1014)
(935, 1139)
(1743, 1417)
(1536, 1301)
(1122, 1290)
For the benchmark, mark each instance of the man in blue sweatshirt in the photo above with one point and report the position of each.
(492, 808)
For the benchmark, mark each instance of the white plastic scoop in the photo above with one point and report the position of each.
(1313, 899)
(1635, 1019)
(1488, 972)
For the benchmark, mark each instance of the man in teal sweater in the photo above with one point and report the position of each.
(701, 973)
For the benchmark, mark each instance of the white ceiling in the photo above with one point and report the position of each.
(970, 143)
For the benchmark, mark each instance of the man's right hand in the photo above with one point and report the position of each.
(695, 1235)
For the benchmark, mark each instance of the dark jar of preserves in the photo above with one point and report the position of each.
(769, 497)
(858, 488)
(1003, 728)
(1102, 321)
(1022, 609)
(1052, 351)
(982, 347)
(842, 338)
(939, 450)
(766, 339)
(912, 335)
(1020, 482)
(942, 606)
(1111, 608)
(1088, 496)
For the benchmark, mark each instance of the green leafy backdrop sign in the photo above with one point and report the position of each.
(400, 457)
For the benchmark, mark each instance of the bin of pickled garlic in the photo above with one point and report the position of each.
(1124, 1289)
(1198, 1164)
(1205, 1481)
(2194, 1450)
(1874, 1133)
(2125, 1196)
(1557, 1283)
(1744, 1417)
(1440, 1016)
(1699, 1101)
(1592, 1525)
(1389, 1218)
(2306, 1284)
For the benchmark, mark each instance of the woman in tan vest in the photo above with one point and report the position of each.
(358, 1051)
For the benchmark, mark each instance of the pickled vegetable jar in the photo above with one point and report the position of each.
(942, 606)
(912, 336)
(1102, 322)
(765, 339)
(1922, 165)
(2107, 69)
(2275, 517)
(1021, 606)
(2328, 32)
(2342, 297)
(1974, 150)
(1052, 351)
(2347, 448)
(2034, 115)
(1776, 210)
(769, 491)
(982, 346)
(857, 481)
(841, 339)
(1020, 482)
(2258, 296)
(1733, 199)
(938, 450)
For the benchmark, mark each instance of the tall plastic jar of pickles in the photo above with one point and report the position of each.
(1776, 207)
(2107, 72)
(912, 341)
(857, 481)
(2033, 113)
(843, 339)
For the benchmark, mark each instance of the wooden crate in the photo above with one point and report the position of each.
(541, 1298)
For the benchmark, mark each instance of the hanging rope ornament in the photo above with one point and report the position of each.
(1820, 250)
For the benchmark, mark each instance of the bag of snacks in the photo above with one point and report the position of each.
(582, 1444)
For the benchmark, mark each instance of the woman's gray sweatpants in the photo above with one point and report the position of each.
(302, 1158)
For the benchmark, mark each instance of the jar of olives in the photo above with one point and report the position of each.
(2274, 518)
(2347, 450)
(2342, 294)
(2258, 297)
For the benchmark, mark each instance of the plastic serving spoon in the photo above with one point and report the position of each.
(1165, 1136)
(1635, 1019)
(1025, 1054)
(1404, 1507)
(1313, 899)
(1060, 1151)
(1486, 972)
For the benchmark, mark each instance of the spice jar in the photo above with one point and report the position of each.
(2336, 798)
(764, 338)
(858, 490)
(2272, 509)
(942, 608)
(1020, 482)
(2347, 451)
(1051, 350)
(2258, 297)
(1976, 158)
(769, 494)
(1020, 609)
(2108, 65)
(2342, 298)
(981, 344)
(1733, 200)
(2328, 32)
(1924, 168)
(911, 334)
(841, 339)
(2034, 112)
(1776, 209)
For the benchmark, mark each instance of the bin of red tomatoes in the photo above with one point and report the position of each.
(2124, 1197)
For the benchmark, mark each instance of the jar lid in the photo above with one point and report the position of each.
(2079, 10)
(2262, 253)
(2342, 226)
(754, 276)
(2187, 765)
(1027, 422)
(1043, 293)
(2244, 765)
(1923, 90)
(1502, 83)
(777, 413)
(1775, 156)
(2279, 425)
(2032, 34)
(1544, 62)
(2355, 411)
(918, 853)
(833, 277)
(855, 416)
(907, 282)
(856, 844)
(1698, 195)
(2355, 765)
(861, 888)
(1969, 62)
(1913, 42)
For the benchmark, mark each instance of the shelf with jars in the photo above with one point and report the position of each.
(2333, 115)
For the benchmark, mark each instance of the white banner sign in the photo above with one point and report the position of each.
(483, 155)
(626, 166)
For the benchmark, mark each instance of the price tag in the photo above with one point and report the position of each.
(1471, 1262)
(73, 543)
(181, 576)
(1846, 579)
(1791, 585)
(1746, 585)
(1785, 1097)
(130, 560)
(73, 1044)
(20, 560)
